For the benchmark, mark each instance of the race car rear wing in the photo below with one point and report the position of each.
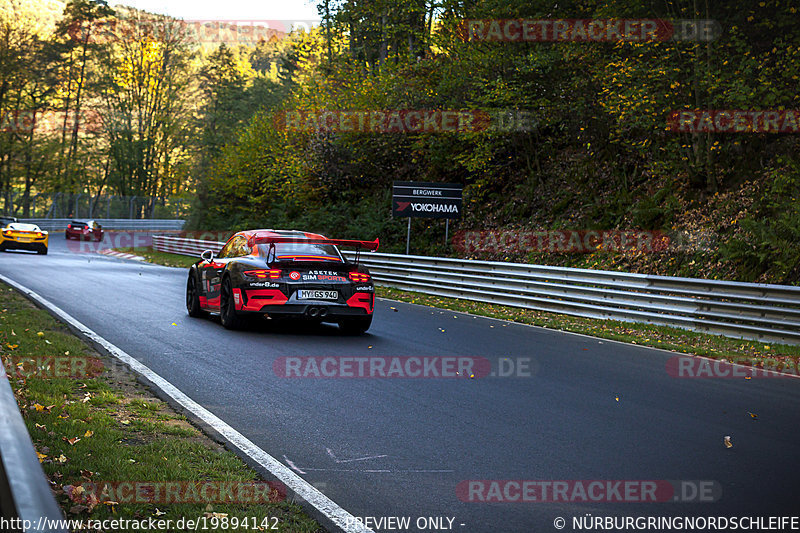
(358, 245)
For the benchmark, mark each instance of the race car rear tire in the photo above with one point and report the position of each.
(42, 251)
(355, 326)
(193, 298)
(227, 309)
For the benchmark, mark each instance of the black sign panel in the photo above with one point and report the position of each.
(427, 200)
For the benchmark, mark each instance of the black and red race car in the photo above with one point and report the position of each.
(283, 274)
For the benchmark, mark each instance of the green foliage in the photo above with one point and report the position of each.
(768, 238)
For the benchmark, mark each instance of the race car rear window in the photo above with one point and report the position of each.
(302, 252)
(21, 226)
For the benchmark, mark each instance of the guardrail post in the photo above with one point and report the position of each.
(76, 204)
(408, 236)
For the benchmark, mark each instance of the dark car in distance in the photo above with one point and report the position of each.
(283, 274)
(84, 230)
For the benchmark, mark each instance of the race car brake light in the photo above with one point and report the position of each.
(264, 274)
(358, 277)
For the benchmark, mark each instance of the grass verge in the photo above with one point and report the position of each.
(758, 354)
(94, 431)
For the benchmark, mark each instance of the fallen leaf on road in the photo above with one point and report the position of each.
(752, 415)
(727, 441)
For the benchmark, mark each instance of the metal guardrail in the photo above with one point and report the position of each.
(178, 245)
(753, 311)
(60, 224)
(24, 491)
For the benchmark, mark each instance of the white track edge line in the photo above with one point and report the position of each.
(301, 487)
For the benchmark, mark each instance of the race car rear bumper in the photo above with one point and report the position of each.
(312, 311)
(274, 303)
(31, 246)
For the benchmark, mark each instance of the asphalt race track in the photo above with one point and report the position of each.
(589, 410)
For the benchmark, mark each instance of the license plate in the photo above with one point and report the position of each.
(23, 240)
(317, 295)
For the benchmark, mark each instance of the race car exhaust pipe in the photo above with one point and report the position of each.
(313, 312)
(323, 312)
